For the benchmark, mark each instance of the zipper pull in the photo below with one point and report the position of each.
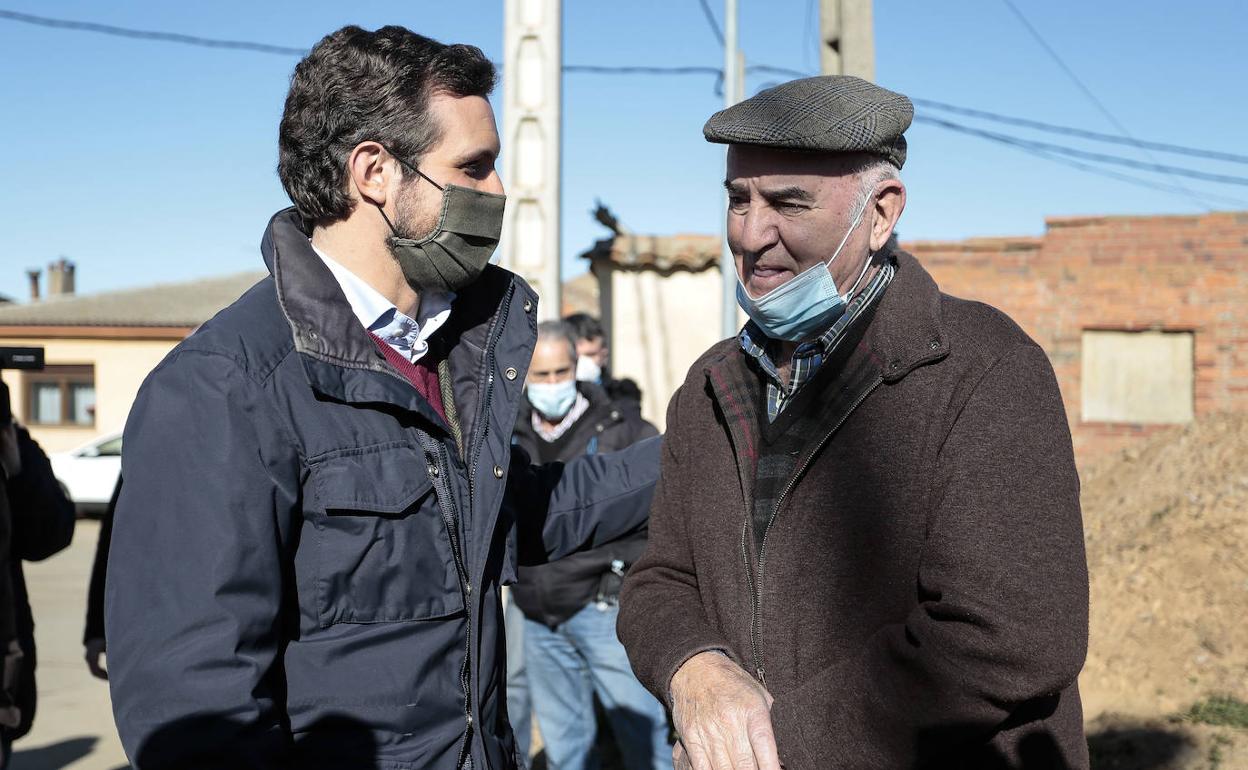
(762, 676)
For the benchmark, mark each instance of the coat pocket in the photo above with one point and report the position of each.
(382, 551)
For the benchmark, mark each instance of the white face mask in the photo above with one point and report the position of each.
(552, 399)
(588, 370)
(806, 304)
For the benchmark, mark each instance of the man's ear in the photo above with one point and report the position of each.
(890, 201)
(371, 171)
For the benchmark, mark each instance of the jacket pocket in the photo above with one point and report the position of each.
(382, 552)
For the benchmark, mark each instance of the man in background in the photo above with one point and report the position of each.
(593, 361)
(570, 606)
(39, 519)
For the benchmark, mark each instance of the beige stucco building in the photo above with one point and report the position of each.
(98, 349)
(660, 300)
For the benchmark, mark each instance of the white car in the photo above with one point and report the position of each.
(89, 473)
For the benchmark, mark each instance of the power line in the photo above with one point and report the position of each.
(1227, 157)
(1059, 153)
(1035, 33)
(142, 34)
(598, 69)
(712, 21)
(1085, 154)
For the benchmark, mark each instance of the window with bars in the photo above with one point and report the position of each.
(61, 395)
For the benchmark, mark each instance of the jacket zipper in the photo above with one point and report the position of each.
(756, 585)
(487, 387)
(450, 519)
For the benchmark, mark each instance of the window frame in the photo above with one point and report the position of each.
(65, 377)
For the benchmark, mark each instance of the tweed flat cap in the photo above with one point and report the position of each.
(829, 113)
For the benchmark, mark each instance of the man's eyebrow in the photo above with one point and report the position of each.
(791, 193)
(732, 186)
(482, 155)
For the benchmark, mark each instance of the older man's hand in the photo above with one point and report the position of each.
(723, 717)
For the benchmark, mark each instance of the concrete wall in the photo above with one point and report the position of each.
(658, 323)
(120, 367)
(1159, 274)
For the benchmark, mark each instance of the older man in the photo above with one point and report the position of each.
(866, 548)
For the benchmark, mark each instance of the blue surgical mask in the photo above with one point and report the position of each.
(552, 399)
(805, 305)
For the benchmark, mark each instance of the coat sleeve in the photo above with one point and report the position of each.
(195, 581)
(592, 500)
(661, 621)
(1003, 612)
(43, 517)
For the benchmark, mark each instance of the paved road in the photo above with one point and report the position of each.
(74, 724)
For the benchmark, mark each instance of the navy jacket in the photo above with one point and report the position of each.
(553, 593)
(305, 566)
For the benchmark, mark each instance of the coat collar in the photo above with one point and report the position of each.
(906, 330)
(339, 358)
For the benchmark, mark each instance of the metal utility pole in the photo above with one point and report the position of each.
(847, 38)
(532, 111)
(734, 91)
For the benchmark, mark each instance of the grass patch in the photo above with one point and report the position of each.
(1220, 711)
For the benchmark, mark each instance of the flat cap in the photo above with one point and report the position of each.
(829, 113)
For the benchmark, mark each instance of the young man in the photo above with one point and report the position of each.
(321, 499)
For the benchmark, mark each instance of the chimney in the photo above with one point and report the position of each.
(61, 278)
(33, 275)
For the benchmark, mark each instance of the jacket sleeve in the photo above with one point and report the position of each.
(590, 501)
(194, 581)
(43, 517)
(661, 622)
(1003, 612)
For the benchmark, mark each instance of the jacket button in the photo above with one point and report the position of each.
(511, 373)
(528, 306)
(498, 471)
(433, 470)
(934, 344)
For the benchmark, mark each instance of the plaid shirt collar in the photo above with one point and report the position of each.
(808, 356)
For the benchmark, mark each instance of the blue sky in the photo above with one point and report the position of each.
(148, 161)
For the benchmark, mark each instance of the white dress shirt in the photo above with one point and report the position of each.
(406, 336)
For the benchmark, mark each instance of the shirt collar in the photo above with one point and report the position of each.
(378, 315)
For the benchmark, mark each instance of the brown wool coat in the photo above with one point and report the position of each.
(923, 597)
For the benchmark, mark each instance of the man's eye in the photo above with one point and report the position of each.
(738, 204)
(787, 207)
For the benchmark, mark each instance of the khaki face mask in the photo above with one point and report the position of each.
(456, 252)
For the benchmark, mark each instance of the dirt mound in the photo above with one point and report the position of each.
(1167, 537)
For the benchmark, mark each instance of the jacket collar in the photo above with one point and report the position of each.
(339, 359)
(906, 330)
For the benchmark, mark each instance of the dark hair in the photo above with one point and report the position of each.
(357, 85)
(584, 326)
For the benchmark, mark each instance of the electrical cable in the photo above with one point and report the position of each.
(1035, 33)
(712, 21)
(1082, 133)
(1085, 154)
(143, 34)
(1053, 152)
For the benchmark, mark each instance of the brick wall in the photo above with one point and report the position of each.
(1166, 273)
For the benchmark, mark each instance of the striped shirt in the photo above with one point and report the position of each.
(811, 354)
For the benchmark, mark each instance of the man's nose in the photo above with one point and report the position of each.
(758, 231)
(494, 184)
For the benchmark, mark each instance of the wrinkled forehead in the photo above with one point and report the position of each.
(751, 163)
